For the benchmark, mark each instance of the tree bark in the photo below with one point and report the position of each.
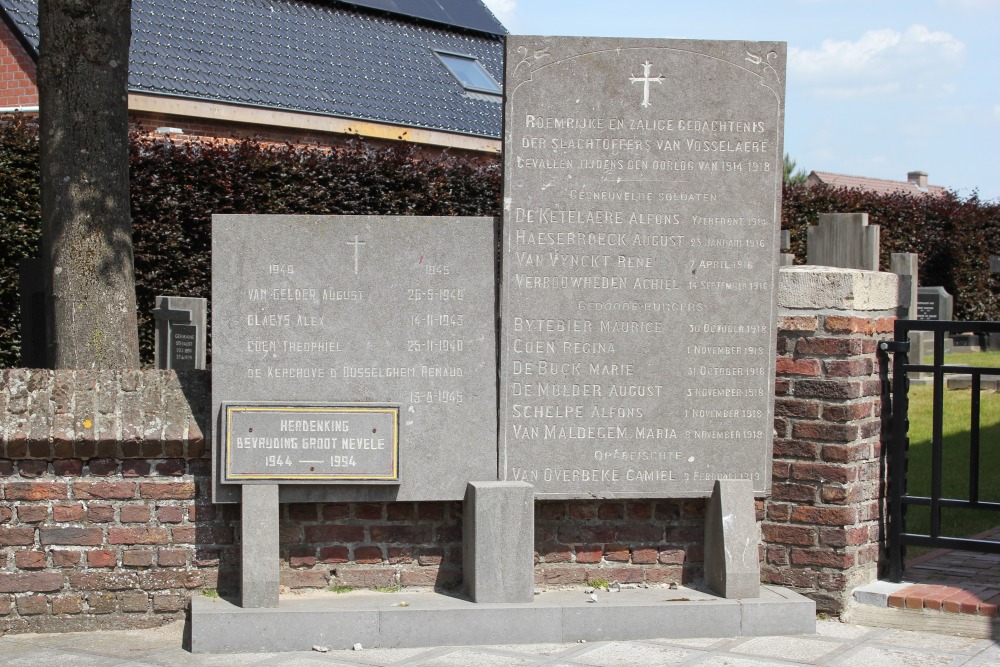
(86, 223)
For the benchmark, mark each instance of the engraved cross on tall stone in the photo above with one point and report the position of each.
(645, 79)
(357, 247)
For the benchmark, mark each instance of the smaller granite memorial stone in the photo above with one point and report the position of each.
(353, 357)
(844, 240)
(180, 338)
(934, 304)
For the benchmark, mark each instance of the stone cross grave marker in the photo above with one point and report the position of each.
(181, 334)
(642, 193)
(844, 240)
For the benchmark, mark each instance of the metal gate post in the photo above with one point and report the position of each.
(897, 447)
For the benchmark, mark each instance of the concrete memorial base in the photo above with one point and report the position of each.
(499, 541)
(259, 575)
(419, 618)
(732, 538)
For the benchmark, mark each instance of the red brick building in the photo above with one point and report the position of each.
(915, 183)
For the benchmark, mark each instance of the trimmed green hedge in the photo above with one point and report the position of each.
(20, 228)
(954, 237)
(177, 185)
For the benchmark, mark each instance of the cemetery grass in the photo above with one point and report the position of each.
(990, 359)
(956, 439)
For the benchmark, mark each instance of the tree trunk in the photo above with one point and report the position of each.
(86, 225)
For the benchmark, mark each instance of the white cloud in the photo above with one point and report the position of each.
(971, 5)
(502, 9)
(879, 63)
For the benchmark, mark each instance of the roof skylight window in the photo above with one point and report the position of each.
(470, 73)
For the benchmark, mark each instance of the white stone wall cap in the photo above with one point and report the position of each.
(821, 287)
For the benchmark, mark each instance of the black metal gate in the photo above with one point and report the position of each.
(898, 445)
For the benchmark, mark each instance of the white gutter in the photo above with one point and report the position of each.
(18, 109)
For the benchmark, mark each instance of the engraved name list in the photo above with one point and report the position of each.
(641, 219)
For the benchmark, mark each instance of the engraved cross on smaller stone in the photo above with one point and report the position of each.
(165, 312)
(357, 246)
(645, 79)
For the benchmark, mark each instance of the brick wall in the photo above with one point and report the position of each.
(821, 528)
(17, 72)
(635, 541)
(106, 518)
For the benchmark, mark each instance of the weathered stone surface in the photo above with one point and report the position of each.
(731, 541)
(498, 542)
(844, 240)
(259, 548)
(819, 287)
(642, 214)
(369, 311)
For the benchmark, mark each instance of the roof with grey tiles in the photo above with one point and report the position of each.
(361, 59)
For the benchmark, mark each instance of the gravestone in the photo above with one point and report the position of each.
(906, 266)
(180, 338)
(786, 258)
(642, 193)
(844, 240)
(353, 360)
(640, 261)
(353, 357)
(934, 303)
(34, 330)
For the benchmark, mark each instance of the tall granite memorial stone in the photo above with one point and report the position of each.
(642, 199)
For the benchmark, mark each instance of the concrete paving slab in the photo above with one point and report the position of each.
(837, 630)
(633, 654)
(737, 661)
(466, 657)
(851, 645)
(799, 649)
(884, 656)
(55, 658)
(926, 640)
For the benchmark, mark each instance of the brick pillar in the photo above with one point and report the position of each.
(822, 526)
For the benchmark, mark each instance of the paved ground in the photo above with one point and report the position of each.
(953, 581)
(834, 644)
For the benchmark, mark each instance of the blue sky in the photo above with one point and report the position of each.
(875, 87)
